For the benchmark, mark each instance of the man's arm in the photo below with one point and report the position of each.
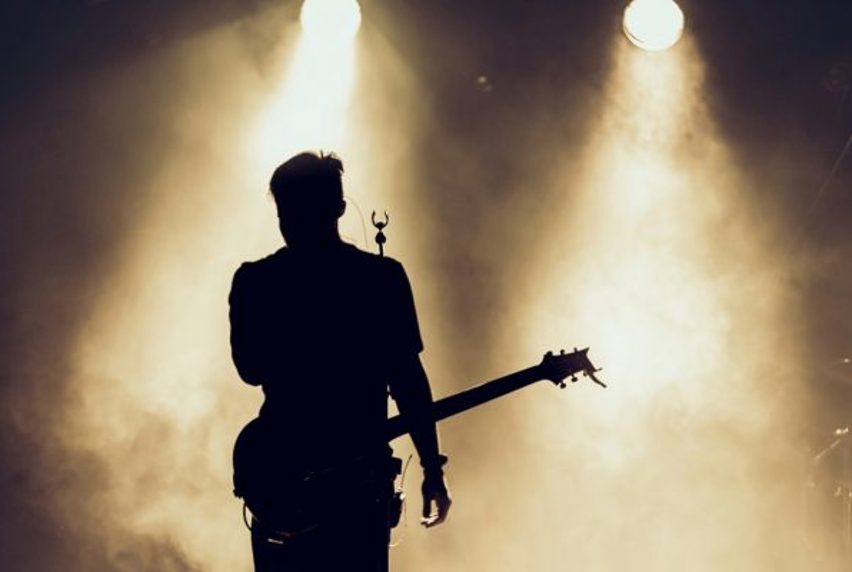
(245, 345)
(410, 389)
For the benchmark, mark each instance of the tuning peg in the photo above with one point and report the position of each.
(573, 379)
(591, 375)
(562, 352)
(561, 385)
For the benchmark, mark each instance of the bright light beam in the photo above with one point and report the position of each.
(312, 109)
(677, 285)
(331, 20)
(165, 384)
(653, 25)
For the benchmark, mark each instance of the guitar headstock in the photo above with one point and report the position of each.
(558, 367)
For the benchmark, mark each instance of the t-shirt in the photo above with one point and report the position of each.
(318, 332)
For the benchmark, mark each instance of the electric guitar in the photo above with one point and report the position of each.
(295, 501)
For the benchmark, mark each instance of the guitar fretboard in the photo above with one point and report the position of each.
(468, 399)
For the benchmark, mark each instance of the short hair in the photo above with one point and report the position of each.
(309, 179)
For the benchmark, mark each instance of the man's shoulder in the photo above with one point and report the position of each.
(357, 260)
(370, 259)
(261, 266)
(384, 268)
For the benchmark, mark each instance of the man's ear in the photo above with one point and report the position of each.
(341, 209)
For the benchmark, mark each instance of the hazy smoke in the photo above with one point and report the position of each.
(653, 250)
(633, 231)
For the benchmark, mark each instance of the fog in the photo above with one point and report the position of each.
(633, 228)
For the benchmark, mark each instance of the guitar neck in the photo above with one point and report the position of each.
(468, 399)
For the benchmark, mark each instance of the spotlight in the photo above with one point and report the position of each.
(331, 20)
(653, 25)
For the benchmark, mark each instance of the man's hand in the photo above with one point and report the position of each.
(435, 491)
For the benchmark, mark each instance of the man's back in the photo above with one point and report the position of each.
(326, 330)
(318, 333)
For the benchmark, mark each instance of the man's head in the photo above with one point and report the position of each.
(309, 197)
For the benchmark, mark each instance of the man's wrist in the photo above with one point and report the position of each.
(434, 465)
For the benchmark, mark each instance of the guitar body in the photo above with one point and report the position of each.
(276, 496)
(292, 499)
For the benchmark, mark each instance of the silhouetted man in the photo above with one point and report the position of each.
(326, 329)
